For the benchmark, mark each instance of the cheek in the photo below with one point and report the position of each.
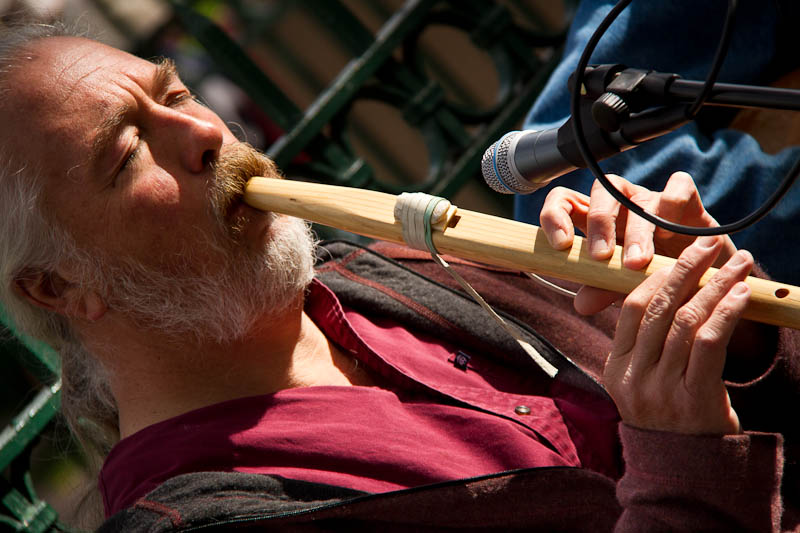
(158, 213)
(154, 200)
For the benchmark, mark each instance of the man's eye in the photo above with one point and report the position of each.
(179, 98)
(131, 157)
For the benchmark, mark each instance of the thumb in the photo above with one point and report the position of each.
(591, 300)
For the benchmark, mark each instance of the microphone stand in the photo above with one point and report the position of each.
(622, 107)
(618, 92)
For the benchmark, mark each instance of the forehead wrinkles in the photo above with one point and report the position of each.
(76, 74)
(81, 93)
(46, 92)
(71, 81)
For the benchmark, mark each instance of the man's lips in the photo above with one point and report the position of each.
(239, 208)
(231, 189)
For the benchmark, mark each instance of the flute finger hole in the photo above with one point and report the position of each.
(782, 292)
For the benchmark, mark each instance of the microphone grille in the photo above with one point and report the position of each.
(497, 172)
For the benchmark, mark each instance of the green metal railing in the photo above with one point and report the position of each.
(387, 66)
(20, 507)
(455, 135)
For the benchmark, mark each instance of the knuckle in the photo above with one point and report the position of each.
(646, 200)
(636, 302)
(714, 332)
(603, 209)
(707, 339)
(615, 179)
(658, 306)
(675, 197)
(557, 193)
(741, 260)
(597, 186)
(687, 318)
(725, 314)
(720, 284)
(717, 284)
(680, 190)
(548, 218)
(682, 180)
(687, 262)
(640, 194)
(724, 318)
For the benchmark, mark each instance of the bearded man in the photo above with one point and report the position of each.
(223, 381)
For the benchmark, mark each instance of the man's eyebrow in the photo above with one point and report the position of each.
(163, 76)
(107, 133)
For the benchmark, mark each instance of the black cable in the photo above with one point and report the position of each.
(598, 173)
(716, 63)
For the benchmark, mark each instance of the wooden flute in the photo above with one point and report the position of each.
(494, 241)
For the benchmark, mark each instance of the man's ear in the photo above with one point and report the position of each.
(49, 290)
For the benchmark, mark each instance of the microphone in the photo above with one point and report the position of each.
(522, 162)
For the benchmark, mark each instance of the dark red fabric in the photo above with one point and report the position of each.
(434, 422)
(763, 382)
(678, 482)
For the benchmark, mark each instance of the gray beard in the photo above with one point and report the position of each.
(220, 306)
(184, 298)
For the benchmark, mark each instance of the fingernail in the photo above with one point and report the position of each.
(560, 239)
(739, 258)
(599, 246)
(740, 289)
(634, 251)
(707, 242)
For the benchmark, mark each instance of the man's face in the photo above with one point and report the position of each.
(142, 177)
(127, 152)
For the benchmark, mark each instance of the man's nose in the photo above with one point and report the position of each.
(198, 140)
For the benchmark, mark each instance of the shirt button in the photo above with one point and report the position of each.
(522, 410)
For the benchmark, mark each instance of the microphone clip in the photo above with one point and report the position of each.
(617, 92)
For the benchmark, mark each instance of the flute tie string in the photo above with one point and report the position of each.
(417, 213)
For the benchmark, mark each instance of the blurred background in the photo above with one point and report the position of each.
(392, 95)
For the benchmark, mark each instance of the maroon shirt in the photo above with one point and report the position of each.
(437, 420)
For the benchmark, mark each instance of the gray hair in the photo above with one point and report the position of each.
(31, 245)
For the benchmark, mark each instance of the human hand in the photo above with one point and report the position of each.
(605, 223)
(665, 369)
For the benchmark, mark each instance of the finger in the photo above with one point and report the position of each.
(678, 201)
(639, 233)
(601, 220)
(703, 380)
(707, 361)
(692, 316)
(641, 307)
(617, 376)
(681, 282)
(606, 219)
(631, 315)
(709, 349)
(590, 300)
(563, 210)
